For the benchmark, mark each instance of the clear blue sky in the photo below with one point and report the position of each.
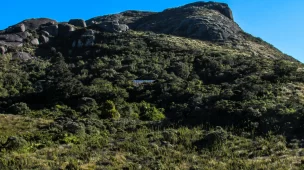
(280, 22)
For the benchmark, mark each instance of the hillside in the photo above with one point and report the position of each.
(207, 94)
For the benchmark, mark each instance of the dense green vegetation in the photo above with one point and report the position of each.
(210, 106)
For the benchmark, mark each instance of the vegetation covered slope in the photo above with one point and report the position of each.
(211, 105)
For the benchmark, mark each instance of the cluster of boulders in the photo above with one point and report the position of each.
(13, 36)
(16, 35)
(46, 29)
(200, 20)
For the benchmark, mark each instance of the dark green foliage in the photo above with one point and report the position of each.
(97, 115)
(19, 108)
(213, 139)
(14, 143)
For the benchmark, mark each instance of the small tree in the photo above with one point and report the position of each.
(109, 110)
(150, 113)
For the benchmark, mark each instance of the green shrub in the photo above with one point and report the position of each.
(109, 111)
(14, 143)
(150, 113)
(19, 108)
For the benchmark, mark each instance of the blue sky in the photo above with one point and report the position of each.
(279, 22)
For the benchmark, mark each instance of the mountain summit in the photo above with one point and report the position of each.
(207, 21)
(202, 20)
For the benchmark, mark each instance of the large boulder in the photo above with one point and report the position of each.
(16, 28)
(35, 41)
(122, 28)
(11, 44)
(22, 56)
(34, 24)
(23, 35)
(11, 38)
(113, 26)
(52, 30)
(65, 29)
(78, 23)
(2, 50)
(44, 39)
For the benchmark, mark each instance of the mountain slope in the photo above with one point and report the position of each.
(205, 98)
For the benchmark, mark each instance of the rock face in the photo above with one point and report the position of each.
(16, 28)
(52, 30)
(127, 17)
(220, 7)
(22, 56)
(11, 38)
(87, 39)
(197, 20)
(34, 24)
(78, 23)
(113, 26)
(65, 29)
(200, 20)
(44, 39)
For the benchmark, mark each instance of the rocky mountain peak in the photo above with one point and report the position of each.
(220, 7)
(209, 21)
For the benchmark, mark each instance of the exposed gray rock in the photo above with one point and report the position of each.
(65, 29)
(16, 28)
(122, 28)
(2, 50)
(34, 24)
(200, 20)
(87, 39)
(23, 35)
(194, 21)
(52, 30)
(220, 7)
(127, 17)
(11, 38)
(35, 41)
(113, 26)
(22, 56)
(88, 33)
(44, 39)
(45, 33)
(78, 23)
(11, 44)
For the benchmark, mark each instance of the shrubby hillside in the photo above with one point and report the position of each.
(185, 88)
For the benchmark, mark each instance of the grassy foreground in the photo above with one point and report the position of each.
(29, 143)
